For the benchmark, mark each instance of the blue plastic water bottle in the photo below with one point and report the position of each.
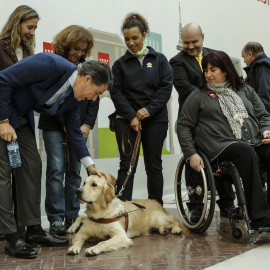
(14, 154)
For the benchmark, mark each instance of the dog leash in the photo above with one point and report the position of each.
(111, 220)
(133, 157)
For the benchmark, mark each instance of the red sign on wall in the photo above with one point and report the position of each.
(47, 47)
(264, 1)
(104, 57)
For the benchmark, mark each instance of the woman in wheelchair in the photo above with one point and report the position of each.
(228, 121)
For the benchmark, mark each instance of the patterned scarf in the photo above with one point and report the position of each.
(140, 53)
(231, 105)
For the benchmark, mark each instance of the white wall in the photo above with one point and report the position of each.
(227, 24)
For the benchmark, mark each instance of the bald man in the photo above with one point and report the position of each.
(187, 76)
(187, 73)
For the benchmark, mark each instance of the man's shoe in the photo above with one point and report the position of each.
(20, 250)
(260, 223)
(47, 240)
(58, 228)
(195, 215)
(2, 237)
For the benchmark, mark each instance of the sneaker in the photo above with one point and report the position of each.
(68, 223)
(58, 228)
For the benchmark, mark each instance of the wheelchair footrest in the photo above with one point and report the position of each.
(259, 230)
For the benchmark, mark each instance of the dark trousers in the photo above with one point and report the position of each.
(28, 183)
(152, 139)
(247, 160)
(223, 185)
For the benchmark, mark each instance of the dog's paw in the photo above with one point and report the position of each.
(163, 230)
(92, 251)
(73, 250)
(185, 229)
(176, 230)
(72, 229)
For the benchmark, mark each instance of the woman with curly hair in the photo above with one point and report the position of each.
(69, 41)
(74, 43)
(142, 87)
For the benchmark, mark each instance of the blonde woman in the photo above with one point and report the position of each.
(17, 40)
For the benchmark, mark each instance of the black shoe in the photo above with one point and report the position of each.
(45, 240)
(68, 223)
(58, 228)
(20, 250)
(260, 223)
(195, 215)
(2, 237)
(226, 213)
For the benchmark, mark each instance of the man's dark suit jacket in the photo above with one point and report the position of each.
(187, 74)
(26, 87)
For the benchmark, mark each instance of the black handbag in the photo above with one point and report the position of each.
(112, 118)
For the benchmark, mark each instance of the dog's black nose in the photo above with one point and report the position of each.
(79, 191)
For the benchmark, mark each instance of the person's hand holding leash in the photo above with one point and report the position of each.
(136, 124)
(142, 114)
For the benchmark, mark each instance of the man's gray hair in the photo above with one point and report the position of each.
(100, 72)
(254, 47)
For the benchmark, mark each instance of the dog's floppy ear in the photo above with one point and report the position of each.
(108, 194)
(112, 179)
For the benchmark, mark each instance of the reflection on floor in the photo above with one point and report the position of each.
(155, 252)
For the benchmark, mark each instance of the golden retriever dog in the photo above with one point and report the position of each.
(103, 207)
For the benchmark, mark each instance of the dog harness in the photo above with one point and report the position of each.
(111, 220)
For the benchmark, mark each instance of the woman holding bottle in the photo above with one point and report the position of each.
(17, 40)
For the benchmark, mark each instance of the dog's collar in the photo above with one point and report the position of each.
(111, 220)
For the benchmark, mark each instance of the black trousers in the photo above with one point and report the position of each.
(223, 185)
(28, 183)
(152, 139)
(248, 160)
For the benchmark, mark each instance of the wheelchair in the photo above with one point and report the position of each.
(197, 189)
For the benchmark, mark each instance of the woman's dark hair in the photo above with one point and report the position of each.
(221, 60)
(135, 20)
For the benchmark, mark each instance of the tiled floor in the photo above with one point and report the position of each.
(155, 252)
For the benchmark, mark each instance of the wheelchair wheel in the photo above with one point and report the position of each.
(195, 190)
(239, 234)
